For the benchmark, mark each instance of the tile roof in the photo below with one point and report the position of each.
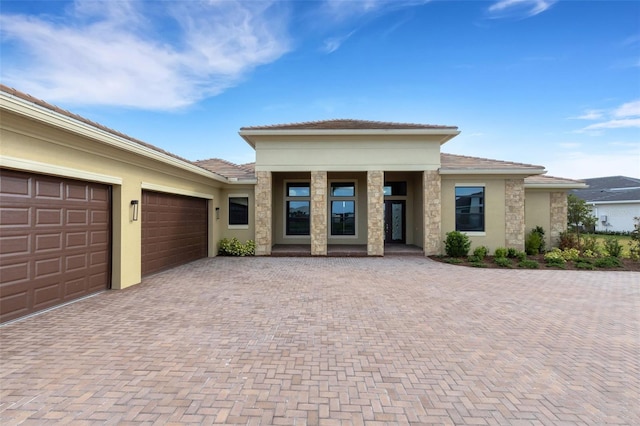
(228, 169)
(610, 182)
(463, 162)
(42, 104)
(347, 124)
(550, 180)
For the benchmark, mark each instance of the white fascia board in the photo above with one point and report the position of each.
(29, 110)
(529, 172)
(613, 202)
(51, 169)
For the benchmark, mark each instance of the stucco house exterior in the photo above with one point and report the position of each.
(614, 200)
(84, 208)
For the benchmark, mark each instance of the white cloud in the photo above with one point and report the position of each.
(524, 8)
(592, 114)
(344, 9)
(615, 124)
(626, 116)
(109, 53)
(630, 109)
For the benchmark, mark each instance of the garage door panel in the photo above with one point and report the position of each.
(51, 250)
(174, 230)
(47, 188)
(14, 273)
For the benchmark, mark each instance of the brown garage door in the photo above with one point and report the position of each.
(174, 230)
(54, 241)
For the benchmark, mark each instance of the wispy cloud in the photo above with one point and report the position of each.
(108, 53)
(333, 43)
(626, 116)
(519, 8)
(611, 159)
(344, 9)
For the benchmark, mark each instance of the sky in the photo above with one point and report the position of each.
(545, 82)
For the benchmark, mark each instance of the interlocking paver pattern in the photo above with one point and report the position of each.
(333, 341)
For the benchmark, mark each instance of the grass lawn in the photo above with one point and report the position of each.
(624, 241)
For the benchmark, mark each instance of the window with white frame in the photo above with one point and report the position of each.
(470, 208)
(238, 210)
(343, 208)
(298, 208)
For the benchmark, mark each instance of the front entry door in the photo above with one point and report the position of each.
(394, 221)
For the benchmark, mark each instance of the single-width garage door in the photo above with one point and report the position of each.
(54, 241)
(174, 230)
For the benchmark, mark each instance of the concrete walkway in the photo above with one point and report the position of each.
(394, 340)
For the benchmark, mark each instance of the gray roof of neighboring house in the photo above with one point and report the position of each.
(611, 189)
(347, 124)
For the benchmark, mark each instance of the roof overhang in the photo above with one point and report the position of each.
(595, 203)
(251, 135)
(36, 112)
(505, 171)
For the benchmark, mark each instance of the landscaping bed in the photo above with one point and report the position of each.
(512, 263)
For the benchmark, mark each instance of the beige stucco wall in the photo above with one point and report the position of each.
(230, 231)
(494, 235)
(31, 145)
(537, 206)
(348, 153)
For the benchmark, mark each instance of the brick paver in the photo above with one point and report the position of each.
(333, 341)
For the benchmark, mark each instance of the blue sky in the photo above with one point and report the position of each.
(555, 83)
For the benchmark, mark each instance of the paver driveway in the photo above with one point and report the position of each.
(333, 341)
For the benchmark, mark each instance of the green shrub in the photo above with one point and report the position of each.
(608, 262)
(453, 260)
(570, 254)
(528, 264)
(612, 247)
(585, 265)
(520, 255)
(457, 244)
(481, 252)
(589, 254)
(233, 247)
(478, 264)
(512, 252)
(474, 258)
(534, 241)
(590, 243)
(502, 262)
(501, 252)
(554, 258)
(634, 244)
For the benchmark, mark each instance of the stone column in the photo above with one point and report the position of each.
(319, 213)
(432, 205)
(514, 213)
(263, 214)
(558, 209)
(375, 213)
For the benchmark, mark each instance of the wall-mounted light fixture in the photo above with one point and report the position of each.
(134, 205)
(217, 212)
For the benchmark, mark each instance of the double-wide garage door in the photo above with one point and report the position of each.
(54, 241)
(174, 230)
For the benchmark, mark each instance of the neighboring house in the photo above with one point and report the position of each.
(84, 208)
(615, 201)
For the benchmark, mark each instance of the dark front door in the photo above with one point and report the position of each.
(394, 221)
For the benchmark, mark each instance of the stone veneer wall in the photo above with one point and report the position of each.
(318, 213)
(263, 214)
(432, 187)
(558, 211)
(375, 213)
(514, 213)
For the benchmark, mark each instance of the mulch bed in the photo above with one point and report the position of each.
(627, 264)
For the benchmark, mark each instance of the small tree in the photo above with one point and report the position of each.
(579, 215)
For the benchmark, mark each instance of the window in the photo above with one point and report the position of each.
(238, 211)
(343, 208)
(298, 204)
(395, 188)
(470, 208)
